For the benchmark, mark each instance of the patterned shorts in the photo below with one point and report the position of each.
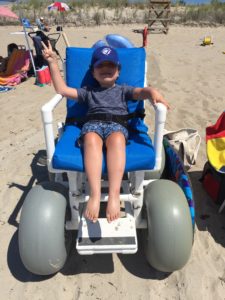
(103, 129)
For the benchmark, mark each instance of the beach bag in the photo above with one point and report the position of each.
(215, 144)
(186, 143)
(213, 176)
(214, 183)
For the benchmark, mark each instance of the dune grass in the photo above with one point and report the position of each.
(210, 14)
(96, 12)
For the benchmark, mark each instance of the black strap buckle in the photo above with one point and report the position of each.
(108, 117)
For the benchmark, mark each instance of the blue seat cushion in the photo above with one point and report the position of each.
(68, 155)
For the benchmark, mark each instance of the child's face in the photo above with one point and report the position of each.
(106, 74)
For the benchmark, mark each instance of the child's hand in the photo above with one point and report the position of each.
(48, 53)
(156, 97)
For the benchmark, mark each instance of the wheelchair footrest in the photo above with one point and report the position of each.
(118, 236)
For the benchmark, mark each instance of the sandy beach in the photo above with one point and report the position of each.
(191, 78)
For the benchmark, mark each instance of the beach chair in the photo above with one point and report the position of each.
(156, 196)
(17, 68)
(27, 25)
(38, 37)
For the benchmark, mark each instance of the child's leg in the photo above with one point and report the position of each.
(93, 167)
(115, 145)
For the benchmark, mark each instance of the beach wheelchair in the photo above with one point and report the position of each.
(156, 195)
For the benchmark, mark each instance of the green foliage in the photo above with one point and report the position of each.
(215, 2)
(99, 3)
(212, 13)
(179, 3)
(97, 17)
(82, 10)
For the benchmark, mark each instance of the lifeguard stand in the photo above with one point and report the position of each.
(159, 16)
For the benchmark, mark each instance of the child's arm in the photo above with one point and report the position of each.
(58, 82)
(149, 93)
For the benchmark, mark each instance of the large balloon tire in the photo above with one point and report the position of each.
(42, 245)
(169, 237)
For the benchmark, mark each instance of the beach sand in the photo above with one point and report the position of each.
(192, 79)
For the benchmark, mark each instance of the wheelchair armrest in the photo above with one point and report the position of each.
(47, 119)
(160, 119)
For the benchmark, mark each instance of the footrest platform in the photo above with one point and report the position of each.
(118, 236)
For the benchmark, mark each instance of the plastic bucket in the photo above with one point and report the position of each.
(47, 75)
(43, 75)
(207, 40)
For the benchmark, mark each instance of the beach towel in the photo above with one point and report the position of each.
(17, 68)
(4, 89)
(215, 144)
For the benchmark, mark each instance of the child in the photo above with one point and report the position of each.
(108, 98)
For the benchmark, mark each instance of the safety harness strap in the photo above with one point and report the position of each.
(107, 117)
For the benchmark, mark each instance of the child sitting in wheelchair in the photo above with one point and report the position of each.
(105, 124)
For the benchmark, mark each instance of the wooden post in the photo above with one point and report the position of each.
(145, 37)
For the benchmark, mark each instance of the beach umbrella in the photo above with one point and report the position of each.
(58, 6)
(7, 13)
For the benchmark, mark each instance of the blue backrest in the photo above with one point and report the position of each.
(78, 74)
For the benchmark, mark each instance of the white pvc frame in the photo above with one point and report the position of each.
(133, 187)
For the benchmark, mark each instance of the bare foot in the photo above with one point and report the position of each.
(92, 209)
(113, 209)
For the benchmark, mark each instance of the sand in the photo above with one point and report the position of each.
(191, 78)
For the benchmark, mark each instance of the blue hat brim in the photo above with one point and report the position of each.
(100, 61)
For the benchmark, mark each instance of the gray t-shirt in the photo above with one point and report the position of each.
(106, 100)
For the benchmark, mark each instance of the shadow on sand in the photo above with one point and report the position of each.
(207, 219)
(207, 215)
(39, 174)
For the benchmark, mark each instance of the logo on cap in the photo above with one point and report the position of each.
(106, 51)
(103, 54)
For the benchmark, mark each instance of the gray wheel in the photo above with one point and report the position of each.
(170, 232)
(42, 229)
